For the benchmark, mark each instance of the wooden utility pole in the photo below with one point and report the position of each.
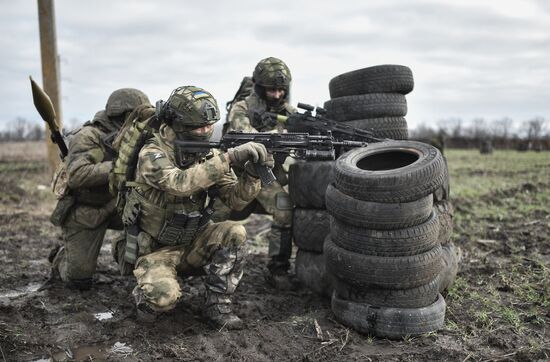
(50, 70)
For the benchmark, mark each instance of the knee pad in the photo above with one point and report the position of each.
(162, 294)
(235, 234)
(283, 201)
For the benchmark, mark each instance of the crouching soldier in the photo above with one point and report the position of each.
(171, 202)
(88, 209)
(271, 81)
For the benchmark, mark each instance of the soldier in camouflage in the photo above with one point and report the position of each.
(271, 79)
(91, 210)
(170, 203)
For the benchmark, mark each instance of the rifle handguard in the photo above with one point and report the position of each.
(320, 155)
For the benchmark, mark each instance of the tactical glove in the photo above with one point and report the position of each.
(250, 151)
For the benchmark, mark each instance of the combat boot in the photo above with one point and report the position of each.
(277, 274)
(144, 312)
(223, 274)
(218, 312)
(54, 258)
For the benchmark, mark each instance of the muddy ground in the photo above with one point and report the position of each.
(498, 309)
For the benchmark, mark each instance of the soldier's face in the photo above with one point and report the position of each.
(203, 131)
(275, 95)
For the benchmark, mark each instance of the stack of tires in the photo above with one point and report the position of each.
(372, 98)
(384, 251)
(308, 182)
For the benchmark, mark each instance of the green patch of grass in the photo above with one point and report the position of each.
(456, 291)
(484, 320)
(512, 317)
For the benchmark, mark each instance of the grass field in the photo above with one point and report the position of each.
(502, 222)
(498, 309)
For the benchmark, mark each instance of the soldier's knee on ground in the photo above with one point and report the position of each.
(157, 280)
(162, 294)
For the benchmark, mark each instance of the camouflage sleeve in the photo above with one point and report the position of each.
(238, 118)
(84, 165)
(236, 194)
(157, 170)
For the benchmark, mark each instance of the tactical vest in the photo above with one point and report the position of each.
(136, 130)
(168, 219)
(175, 221)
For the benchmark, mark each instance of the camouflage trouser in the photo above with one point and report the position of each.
(156, 272)
(83, 233)
(275, 201)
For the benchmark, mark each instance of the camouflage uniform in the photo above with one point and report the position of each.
(245, 116)
(165, 189)
(89, 162)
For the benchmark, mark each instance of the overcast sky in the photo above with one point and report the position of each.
(469, 58)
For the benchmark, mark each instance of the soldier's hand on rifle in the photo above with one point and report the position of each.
(250, 151)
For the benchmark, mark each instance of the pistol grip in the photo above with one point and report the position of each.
(265, 173)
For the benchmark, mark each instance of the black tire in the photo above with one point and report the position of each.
(310, 228)
(451, 258)
(374, 105)
(312, 273)
(390, 322)
(392, 171)
(308, 181)
(421, 296)
(377, 215)
(387, 243)
(445, 213)
(384, 272)
(394, 128)
(386, 78)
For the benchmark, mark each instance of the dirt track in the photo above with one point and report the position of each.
(497, 310)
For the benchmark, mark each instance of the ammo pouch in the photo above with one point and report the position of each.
(62, 209)
(180, 228)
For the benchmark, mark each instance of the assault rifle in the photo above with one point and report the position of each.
(44, 106)
(298, 145)
(316, 124)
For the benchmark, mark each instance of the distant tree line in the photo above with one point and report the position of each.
(22, 130)
(453, 132)
(501, 133)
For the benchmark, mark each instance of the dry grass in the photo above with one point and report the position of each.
(23, 151)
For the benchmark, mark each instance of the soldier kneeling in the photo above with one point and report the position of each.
(169, 202)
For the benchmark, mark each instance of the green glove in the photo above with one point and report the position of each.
(250, 151)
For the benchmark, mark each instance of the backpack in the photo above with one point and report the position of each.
(245, 89)
(138, 127)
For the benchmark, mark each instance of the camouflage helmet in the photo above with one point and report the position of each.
(272, 73)
(189, 107)
(124, 100)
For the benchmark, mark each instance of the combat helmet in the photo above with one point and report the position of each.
(272, 73)
(187, 108)
(124, 100)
